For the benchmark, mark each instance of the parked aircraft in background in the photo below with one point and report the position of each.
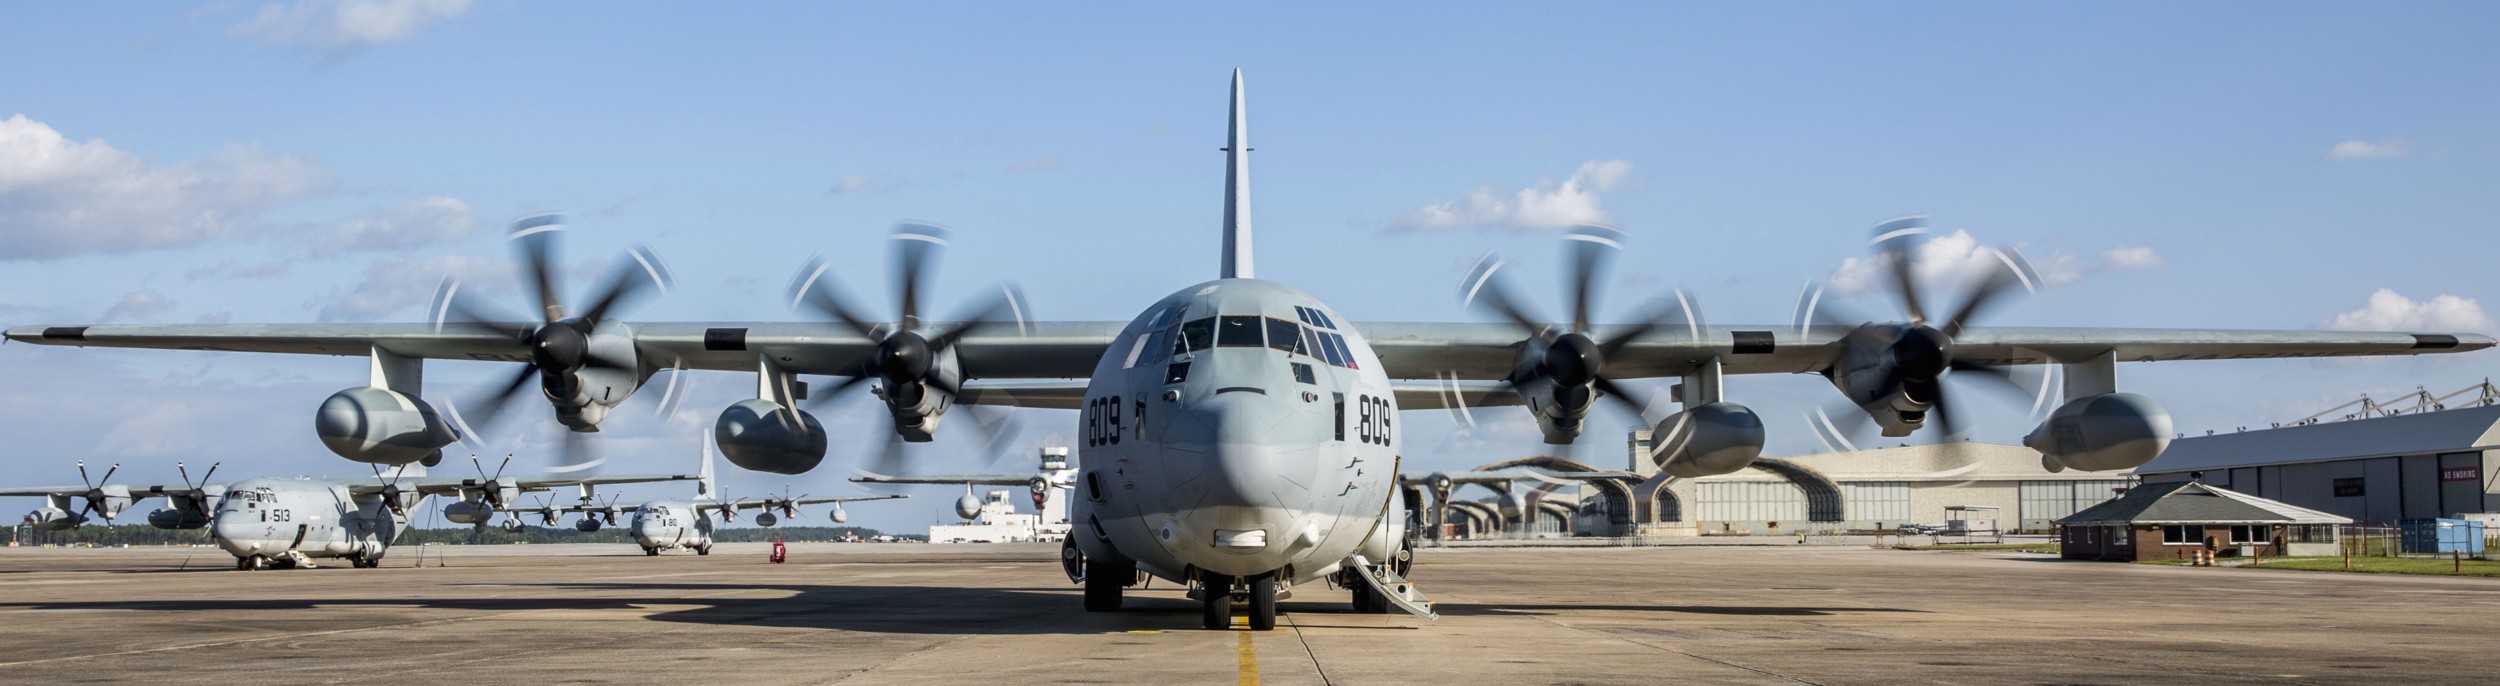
(287, 522)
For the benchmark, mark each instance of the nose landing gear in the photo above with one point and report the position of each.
(1216, 594)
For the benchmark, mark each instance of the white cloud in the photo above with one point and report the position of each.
(60, 197)
(1547, 205)
(394, 285)
(2367, 150)
(2134, 257)
(229, 269)
(1958, 258)
(1034, 165)
(424, 221)
(137, 305)
(346, 23)
(2386, 310)
(855, 183)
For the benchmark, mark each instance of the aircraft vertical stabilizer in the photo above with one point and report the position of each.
(1237, 191)
(703, 485)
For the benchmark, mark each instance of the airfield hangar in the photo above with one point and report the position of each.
(2376, 467)
(1877, 489)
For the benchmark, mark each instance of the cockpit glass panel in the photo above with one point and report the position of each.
(1328, 350)
(1303, 373)
(1283, 335)
(1178, 372)
(1239, 332)
(1198, 334)
(1158, 345)
(1310, 344)
(1305, 314)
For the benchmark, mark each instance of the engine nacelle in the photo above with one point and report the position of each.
(177, 518)
(54, 519)
(838, 515)
(587, 525)
(766, 519)
(2102, 432)
(968, 507)
(1715, 438)
(468, 512)
(512, 524)
(761, 435)
(381, 426)
(1388, 535)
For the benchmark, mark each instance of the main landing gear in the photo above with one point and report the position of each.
(1215, 594)
(1104, 584)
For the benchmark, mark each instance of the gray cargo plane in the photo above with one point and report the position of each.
(1240, 436)
(687, 524)
(287, 522)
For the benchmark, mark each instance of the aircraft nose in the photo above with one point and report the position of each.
(1240, 458)
(231, 533)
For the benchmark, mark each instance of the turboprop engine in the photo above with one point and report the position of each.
(469, 512)
(766, 519)
(177, 518)
(381, 426)
(1712, 439)
(2102, 432)
(54, 519)
(763, 436)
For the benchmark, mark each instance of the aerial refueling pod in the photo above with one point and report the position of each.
(177, 518)
(968, 507)
(1712, 439)
(468, 512)
(587, 525)
(761, 435)
(381, 426)
(766, 519)
(2102, 432)
(838, 515)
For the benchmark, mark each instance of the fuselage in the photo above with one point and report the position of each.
(1236, 427)
(314, 518)
(666, 524)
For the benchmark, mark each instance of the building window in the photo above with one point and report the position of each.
(2052, 500)
(2257, 534)
(2348, 488)
(2187, 534)
(1748, 501)
(2119, 536)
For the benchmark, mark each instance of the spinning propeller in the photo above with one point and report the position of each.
(201, 501)
(1917, 354)
(1574, 358)
(909, 356)
(561, 345)
(101, 496)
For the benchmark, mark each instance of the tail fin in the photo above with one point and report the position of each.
(703, 486)
(1237, 191)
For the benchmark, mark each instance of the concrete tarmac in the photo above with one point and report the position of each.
(872, 614)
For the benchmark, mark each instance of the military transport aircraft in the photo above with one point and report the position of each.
(287, 522)
(1054, 476)
(669, 524)
(1240, 436)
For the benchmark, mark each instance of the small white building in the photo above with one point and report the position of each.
(1864, 490)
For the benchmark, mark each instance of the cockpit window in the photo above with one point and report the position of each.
(1284, 335)
(1198, 334)
(1239, 332)
(1178, 372)
(1328, 350)
(1163, 318)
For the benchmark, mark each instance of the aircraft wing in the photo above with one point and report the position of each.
(943, 479)
(1441, 394)
(1408, 350)
(1054, 394)
(760, 503)
(1464, 351)
(1511, 475)
(1048, 350)
(70, 491)
(527, 483)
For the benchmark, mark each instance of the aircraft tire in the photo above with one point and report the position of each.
(1364, 600)
(1216, 595)
(705, 550)
(251, 564)
(1103, 585)
(653, 552)
(1263, 602)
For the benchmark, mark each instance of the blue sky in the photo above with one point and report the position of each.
(2212, 166)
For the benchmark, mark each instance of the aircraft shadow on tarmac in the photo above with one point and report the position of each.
(884, 609)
